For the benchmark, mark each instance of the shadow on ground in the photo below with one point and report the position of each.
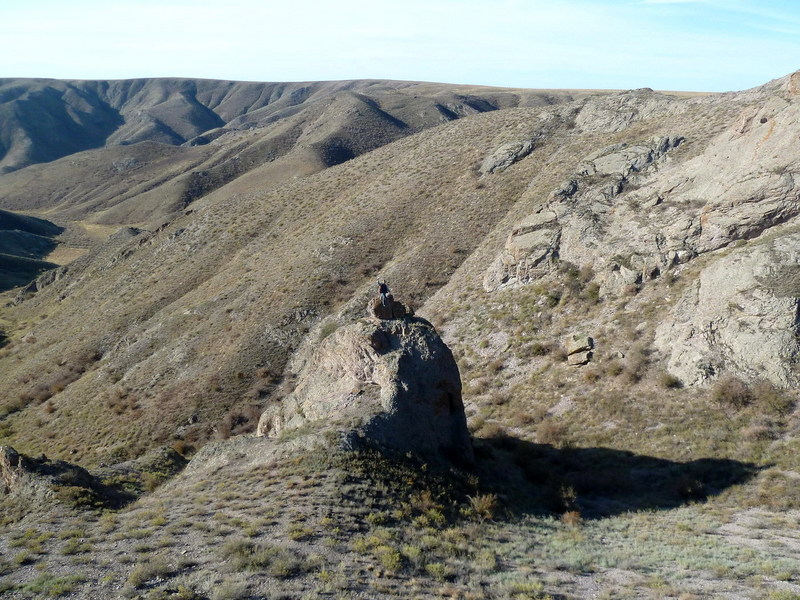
(598, 482)
(24, 243)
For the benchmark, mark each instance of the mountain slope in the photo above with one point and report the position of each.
(614, 274)
(225, 128)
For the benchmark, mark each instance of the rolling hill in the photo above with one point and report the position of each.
(615, 274)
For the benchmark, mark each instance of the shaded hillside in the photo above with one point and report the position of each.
(24, 241)
(167, 142)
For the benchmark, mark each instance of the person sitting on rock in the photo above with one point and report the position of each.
(383, 290)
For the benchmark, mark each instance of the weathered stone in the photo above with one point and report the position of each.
(741, 315)
(576, 219)
(505, 156)
(617, 278)
(579, 343)
(408, 396)
(10, 468)
(529, 249)
(391, 310)
(579, 358)
(377, 309)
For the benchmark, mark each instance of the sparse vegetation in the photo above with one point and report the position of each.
(179, 334)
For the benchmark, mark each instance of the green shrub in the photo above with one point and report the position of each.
(439, 571)
(389, 557)
(533, 590)
(51, 585)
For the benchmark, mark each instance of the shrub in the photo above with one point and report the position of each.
(51, 585)
(483, 506)
(275, 560)
(230, 590)
(591, 375)
(572, 518)
(528, 591)
(238, 421)
(669, 381)
(144, 572)
(540, 349)
(730, 391)
(300, 532)
(486, 560)
(771, 399)
(439, 571)
(390, 559)
(548, 432)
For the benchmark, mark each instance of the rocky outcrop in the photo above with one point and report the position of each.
(391, 310)
(390, 384)
(570, 225)
(38, 484)
(505, 156)
(10, 469)
(38, 284)
(741, 315)
(632, 212)
(615, 112)
(38, 480)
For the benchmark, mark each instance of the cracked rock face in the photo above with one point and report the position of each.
(571, 225)
(741, 315)
(389, 384)
(634, 211)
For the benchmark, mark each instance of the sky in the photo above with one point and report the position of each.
(692, 45)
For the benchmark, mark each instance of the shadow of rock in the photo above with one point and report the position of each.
(599, 482)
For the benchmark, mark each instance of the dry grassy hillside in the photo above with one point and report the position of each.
(135, 151)
(199, 317)
(657, 459)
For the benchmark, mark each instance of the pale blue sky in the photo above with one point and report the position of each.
(704, 45)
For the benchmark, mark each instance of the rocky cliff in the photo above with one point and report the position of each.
(640, 210)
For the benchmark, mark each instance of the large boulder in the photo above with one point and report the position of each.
(390, 384)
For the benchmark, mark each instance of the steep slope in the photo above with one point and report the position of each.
(200, 316)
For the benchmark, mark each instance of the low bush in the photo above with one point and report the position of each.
(730, 391)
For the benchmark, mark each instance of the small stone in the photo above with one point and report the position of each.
(579, 343)
(579, 358)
